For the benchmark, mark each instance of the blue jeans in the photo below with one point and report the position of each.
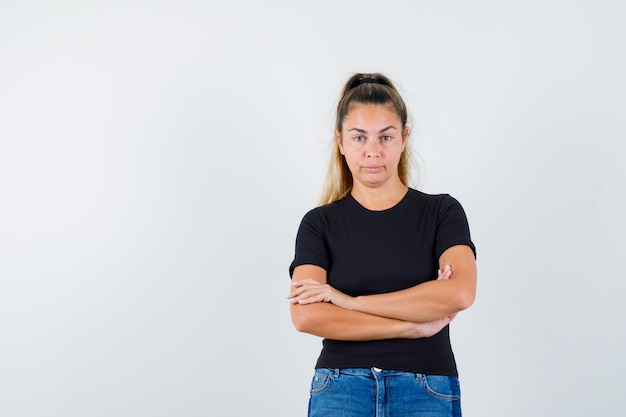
(374, 392)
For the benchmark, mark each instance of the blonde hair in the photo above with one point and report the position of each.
(364, 89)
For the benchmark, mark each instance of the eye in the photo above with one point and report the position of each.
(385, 138)
(358, 139)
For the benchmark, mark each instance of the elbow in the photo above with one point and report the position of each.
(301, 321)
(464, 300)
(300, 325)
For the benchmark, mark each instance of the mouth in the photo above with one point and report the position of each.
(372, 169)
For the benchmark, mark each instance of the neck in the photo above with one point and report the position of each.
(379, 198)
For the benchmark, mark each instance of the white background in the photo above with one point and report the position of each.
(156, 158)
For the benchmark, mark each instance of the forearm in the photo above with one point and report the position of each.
(431, 300)
(329, 321)
(426, 302)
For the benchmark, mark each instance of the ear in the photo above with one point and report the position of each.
(339, 141)
(405, 136)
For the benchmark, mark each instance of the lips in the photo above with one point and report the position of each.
(372, 169)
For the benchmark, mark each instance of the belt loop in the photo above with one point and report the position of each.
(336, 373)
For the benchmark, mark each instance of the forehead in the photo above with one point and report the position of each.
(371, 114)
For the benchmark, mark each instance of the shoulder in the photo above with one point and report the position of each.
(322, 215)
(440, 208)
(450, 221)
(439, 201)
(421, 195)
(327, 210)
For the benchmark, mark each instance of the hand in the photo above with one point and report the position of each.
(309, 291)
(445, 274)
(432, 328)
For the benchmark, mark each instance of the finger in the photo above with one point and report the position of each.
(309, 300)
(293, 294)
(297, 292)
(297, 297)
(304, 293)
(299, 287)
(445, 273)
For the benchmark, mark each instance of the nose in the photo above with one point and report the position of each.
(372, 149)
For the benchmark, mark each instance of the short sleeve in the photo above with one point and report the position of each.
(452, 227)
(311, 246)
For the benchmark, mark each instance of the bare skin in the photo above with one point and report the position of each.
(372, 141)
(426, 302)
(331, 321)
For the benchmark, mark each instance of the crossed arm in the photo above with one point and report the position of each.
(419, 311)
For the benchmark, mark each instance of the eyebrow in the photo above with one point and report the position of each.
(380, 131)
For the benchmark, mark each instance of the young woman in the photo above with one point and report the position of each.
(380, 270)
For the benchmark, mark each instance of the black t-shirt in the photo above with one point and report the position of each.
(372, 252)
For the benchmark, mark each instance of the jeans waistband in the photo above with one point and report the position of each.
(370, 372)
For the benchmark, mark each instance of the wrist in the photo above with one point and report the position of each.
(355, 302)
(409, 330)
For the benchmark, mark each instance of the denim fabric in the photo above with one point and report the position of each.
(372, 392)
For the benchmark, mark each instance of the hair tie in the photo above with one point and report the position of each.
(365, 80)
